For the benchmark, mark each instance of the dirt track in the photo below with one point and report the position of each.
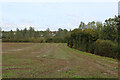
(51, 60)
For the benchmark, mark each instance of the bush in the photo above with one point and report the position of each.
(106, 48)
(58, 40)
(15, 40)
(82, 39)
(37, 40)
(34, 40)
(48, 40)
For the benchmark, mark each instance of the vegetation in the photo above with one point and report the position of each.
(94, 37)
(54, 60)
(30, 35)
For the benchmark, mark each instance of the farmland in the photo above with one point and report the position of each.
(53, 60)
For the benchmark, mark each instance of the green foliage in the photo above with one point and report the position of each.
(38, 40)
(82, 39)
(30, 35)
(106, 48)
(109, 30)
(48, 40)
(86, 41)
(85, 37)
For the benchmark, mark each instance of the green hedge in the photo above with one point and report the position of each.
(38, 40)
(106, 48)
(88, 41)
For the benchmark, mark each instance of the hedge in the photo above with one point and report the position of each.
(106, 48)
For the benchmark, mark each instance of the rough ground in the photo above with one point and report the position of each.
(53, 60)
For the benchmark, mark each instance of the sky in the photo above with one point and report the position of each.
(55, 14)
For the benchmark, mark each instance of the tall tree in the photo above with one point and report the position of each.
(82, 26)
(11, 34)
(109, 31)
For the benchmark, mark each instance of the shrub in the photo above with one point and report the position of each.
(48, 40)
(37, 40)
(58, 40)
(106, 48)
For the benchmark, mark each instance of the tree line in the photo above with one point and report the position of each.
(30, 35)
(94, 37)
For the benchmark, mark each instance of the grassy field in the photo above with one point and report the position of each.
(53, 60)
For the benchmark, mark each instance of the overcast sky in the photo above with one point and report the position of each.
(55, 14)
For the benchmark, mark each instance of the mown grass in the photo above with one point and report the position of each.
(91, 55)
(60, 62)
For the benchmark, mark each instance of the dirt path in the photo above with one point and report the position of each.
(51, 60)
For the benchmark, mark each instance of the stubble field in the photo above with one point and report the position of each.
(53, 60)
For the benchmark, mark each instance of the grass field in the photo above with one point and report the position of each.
(53, 60)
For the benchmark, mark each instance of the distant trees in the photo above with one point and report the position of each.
(11, 34)
(61, 35)
(82, 25)
(30, 35)
(25, 35)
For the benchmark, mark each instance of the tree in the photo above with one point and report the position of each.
(109, 31)
(47, 33)
(98, 30)
(91, 25)
(31, 32)
(82, 26)
(25, 34)
(17, 35)
(11, 34)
